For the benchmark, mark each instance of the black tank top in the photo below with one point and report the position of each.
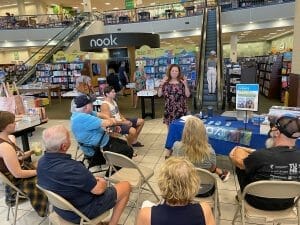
(191, 214)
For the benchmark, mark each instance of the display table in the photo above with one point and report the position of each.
(25, 127)
(223, 147)
(147, 95)
(29, 90)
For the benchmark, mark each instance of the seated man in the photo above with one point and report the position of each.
(59, 173)
(279, 161)
(132, 126)
(88, 129)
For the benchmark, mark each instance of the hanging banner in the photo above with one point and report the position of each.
(129, 4)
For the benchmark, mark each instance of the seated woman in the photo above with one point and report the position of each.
(13, 166)
(195, 147)
(178, 182)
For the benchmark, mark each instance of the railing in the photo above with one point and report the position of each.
(227, 5)
(202, 65)
(45, 20)
(157, 12)
(220, 80)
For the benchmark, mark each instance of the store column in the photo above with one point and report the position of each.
(21, 7)
(233, 48)
(294, 89)
(87, 6)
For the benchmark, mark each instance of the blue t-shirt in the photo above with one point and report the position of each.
(87, 130)
(59, 173)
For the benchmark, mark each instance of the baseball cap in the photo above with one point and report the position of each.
(212, 52)
(289, 125)
(83, 100)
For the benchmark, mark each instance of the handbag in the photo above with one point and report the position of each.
(7, 102)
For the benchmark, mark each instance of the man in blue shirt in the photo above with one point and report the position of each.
(88, 129)
(59, 173)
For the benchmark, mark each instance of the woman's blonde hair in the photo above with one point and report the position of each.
(195, 142)
(178, 181)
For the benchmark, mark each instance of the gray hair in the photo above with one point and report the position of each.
(81, 109)
(54, 137)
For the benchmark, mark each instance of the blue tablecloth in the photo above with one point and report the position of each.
(220, 146)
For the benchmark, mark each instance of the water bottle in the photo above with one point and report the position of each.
(200, 115)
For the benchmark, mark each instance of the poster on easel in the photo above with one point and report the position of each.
(247, 97)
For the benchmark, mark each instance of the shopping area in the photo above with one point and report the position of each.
(44, 47)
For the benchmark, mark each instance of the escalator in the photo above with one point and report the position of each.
(210, 41)
(63, 39)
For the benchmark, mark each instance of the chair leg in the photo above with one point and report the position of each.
(151, 189)
(8, 211)
(16, 209)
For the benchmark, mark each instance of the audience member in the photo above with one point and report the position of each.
(59, 173)
(280, 160)
(139, 79)
(130, 126)
(195, 147)
(84, 82)
(13, 165)
(89, 129)
(178, 182)
(113, 80)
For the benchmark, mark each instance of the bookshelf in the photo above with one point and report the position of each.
(285, 71)
(63, 74)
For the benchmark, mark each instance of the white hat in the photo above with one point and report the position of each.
(212, 52)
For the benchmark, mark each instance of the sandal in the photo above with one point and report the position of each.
(137, 144)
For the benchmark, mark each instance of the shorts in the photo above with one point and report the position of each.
(125, 128)
(103, 202)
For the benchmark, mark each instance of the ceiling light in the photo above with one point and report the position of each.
(107, 3)
(174, 30)
(279, 18)
(272, 33)
(82, 3)
(94, 8)
(75, 7)
(251, 22)
(116, 8)
(152, 3)
(281, 30)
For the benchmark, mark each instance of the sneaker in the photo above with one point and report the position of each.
(225, 175)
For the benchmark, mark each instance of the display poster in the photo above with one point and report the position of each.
(247, 97)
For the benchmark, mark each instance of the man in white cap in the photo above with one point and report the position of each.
(211, 74)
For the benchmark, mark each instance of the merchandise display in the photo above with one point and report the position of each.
(63, 74)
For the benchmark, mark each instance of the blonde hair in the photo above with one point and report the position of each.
(178, 181)
(194, 140)
(54, 137)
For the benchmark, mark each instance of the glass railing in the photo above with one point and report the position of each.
(157, 12)
(227, 5)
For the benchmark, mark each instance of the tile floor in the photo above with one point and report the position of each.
(153, 137)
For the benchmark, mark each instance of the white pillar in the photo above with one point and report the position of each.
(296, 47)
(40, 7)
(233, 47)
(87, 6)
(21, 7)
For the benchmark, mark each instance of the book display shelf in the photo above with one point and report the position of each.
(63, 74)
(285, 71)
(269, 75)
(233, 77)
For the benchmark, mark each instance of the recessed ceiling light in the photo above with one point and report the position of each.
(82, 3)
(75, 7)
(116, 8)
(272, 33)
(107, 3)
(281, 30)
(94, 8)
(27, 40)
(251, 22)
(152, 3)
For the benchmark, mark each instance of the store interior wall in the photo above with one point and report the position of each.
(248, 49)
(282, 43)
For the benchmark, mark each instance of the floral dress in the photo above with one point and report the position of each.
(175, 102)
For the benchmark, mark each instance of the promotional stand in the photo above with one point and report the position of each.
(247, 99)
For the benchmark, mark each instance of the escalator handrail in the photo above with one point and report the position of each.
(220, 80)
(50, 53)
(199, 93)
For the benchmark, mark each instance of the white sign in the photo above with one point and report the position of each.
(247, 97)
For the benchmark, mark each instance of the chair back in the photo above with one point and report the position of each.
(7, 182)
(273, 189)
(206, 177)
(61, 203)
(119, 160)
